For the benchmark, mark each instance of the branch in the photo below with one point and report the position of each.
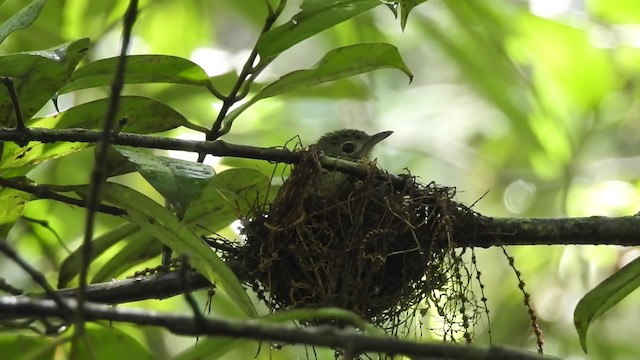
(19, 307)
(477, 231)
(594, 230)
(216, 148)
(157, 286)
(43, 193)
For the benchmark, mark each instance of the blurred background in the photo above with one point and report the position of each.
(528, 108)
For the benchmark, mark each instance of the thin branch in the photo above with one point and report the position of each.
(99, 173)
(157, 286)
(17, 307)
(20, 127)
(43, 193)
(216, 148)
(37, 276)
(240, 88)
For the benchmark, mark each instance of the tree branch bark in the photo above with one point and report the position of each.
(358, 343)
(594, 230)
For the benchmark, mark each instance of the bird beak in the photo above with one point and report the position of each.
(376, 138)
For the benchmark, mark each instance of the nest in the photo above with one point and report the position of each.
(371, 246)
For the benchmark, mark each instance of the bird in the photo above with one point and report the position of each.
(347, 144)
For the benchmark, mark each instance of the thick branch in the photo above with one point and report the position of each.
(478, 231)
(19, 307)
(595, 230)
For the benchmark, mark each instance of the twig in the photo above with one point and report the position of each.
(185, 273)
(20, 127)
(43, 193)
(99, 171)
(248, 69)
(37, 277)
(216, 148)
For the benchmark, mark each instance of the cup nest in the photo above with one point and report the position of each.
(378, 249)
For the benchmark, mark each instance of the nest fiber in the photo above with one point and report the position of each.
(372, 246)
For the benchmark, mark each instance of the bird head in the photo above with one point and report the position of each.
(350, 144)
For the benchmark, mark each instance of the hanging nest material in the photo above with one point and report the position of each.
(374, 248)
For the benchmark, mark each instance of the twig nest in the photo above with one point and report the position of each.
(371, 247)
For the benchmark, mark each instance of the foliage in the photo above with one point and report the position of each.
(537, 98)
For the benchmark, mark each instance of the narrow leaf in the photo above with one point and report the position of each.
(405, 8)
(105, 343)
(159, 222)
(316, 16)
(21, 19)
(228, 196)
(336, 64)
(140, 69)
(72, 263)
(604, 296)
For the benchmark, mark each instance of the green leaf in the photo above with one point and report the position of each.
(17, 161)
(140, 69)
(106, 343)
(144, 116)
(604, 296)
(178, 181)
(12, 205)
(337, 64)
(405, 8)
(37, 75)
(21, 19)
(227, 197)
(159, 222)
(316, 16)
(22, 347)
(138, 248)
(72, 263)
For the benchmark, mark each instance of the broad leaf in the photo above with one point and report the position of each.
(336, 64)
(178, 181)
(316, 16)
(164, 226)
(37, 75)
(21, 19)
(22, 347)
(229, 196)
(106, 343)
(604, 296)
(140, 69)
(17, 161)
(144, 116)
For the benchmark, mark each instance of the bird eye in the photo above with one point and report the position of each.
(348, 147)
